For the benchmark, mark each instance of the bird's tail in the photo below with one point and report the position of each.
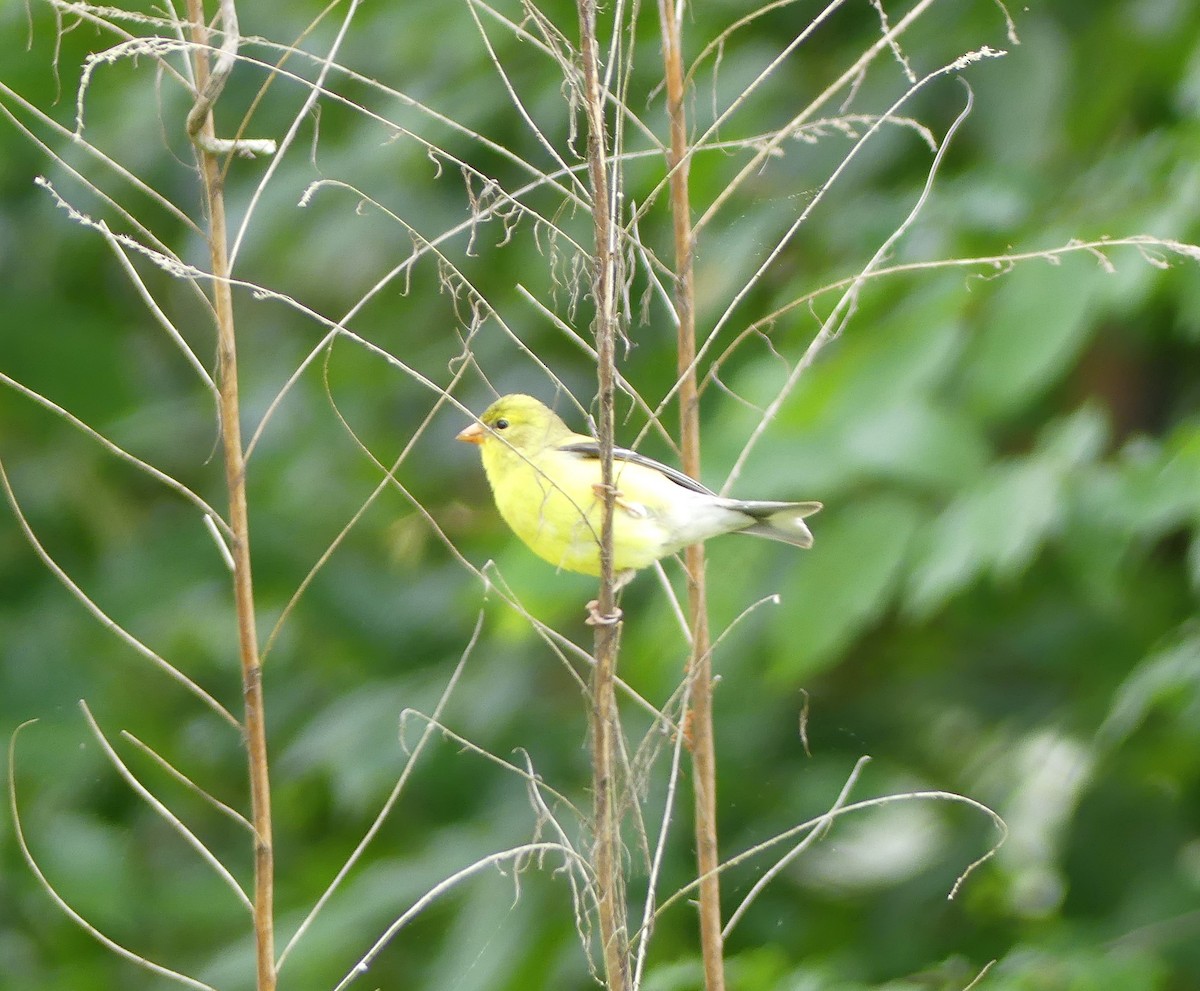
(779, 520)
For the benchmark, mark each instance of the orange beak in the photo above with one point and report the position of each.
(473, 434)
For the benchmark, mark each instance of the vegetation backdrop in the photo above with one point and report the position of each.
(1001, 600)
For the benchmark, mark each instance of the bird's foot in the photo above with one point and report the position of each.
(594, 617)
(634, 509)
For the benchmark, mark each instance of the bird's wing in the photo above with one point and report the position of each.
(591, 449)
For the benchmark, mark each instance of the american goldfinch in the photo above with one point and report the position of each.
(546, 482)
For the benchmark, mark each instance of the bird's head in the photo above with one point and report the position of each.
(517, 421)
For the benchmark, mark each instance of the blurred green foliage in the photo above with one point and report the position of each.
(1001, 601)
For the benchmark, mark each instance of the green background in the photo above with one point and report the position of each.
(1001, 601)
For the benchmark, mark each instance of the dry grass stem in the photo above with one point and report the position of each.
(239, 521)
(188, 783)
(102, 617)
(607, 864)
(702, 742)
(63, 905)
(172, 820)
(390, 803)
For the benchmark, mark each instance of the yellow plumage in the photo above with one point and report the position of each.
(546, 482)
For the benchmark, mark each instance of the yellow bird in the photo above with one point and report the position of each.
(546, 482)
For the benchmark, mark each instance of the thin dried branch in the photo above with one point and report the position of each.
(767, 148)
(318, 89)
(160, 476)
(553, 43)
(288, 51)
(106, 941)
(577, 879)
(390, 803)
(626, 387)
(515, 854)
(369, 501)
(894, 42)
(823, 822)
(158, 314)
(755, 164)
(845, 307)
(188, 783)
(327, 64)
(422, 247)
(780, 865)
(134, 182)
(533, 781)
(795, 226)
(190, 838)
(716, 47)
(642, 939)
(134, 48)
(108, 623)
(518, 104)
(980, 976)
(1150, 247)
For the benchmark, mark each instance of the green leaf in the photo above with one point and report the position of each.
(845, 583)
(1169, 675)
(1030, 333)
(999, 524)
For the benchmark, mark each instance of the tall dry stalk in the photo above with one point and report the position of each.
(254, 726)
(607, 863)
(700, 724)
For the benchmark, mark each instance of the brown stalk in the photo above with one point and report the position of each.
(703, 747)
(606, 858)
(235, 476)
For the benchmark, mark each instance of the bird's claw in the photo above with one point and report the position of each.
(595, 618)
(634, 509)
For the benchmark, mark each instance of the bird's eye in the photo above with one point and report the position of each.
(501, 424)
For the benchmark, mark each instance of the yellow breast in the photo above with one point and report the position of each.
(550, 501)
